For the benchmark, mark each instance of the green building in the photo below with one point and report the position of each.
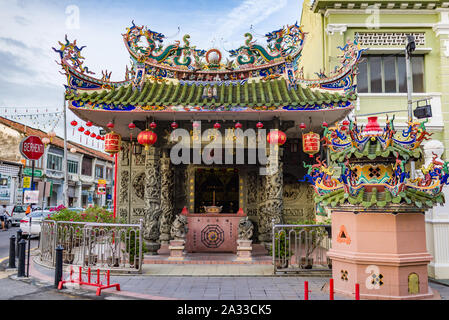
(381, 28)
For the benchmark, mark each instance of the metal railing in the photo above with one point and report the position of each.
(96, 245)
(301, 248)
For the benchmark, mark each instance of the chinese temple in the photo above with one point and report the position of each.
(172, 86)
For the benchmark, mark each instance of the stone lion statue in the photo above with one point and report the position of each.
(179, 229)
(246, 229)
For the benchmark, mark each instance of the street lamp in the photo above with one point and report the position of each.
(409, 48)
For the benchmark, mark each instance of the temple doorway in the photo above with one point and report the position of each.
(217, 187)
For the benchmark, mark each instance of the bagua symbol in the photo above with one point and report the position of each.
(256, 147)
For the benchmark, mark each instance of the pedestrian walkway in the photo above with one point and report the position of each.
(213, 282)
(205, 282)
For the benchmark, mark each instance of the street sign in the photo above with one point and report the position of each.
(37, 173)
(32, 148)
(27, 182)
(31, 196)
(101, 187)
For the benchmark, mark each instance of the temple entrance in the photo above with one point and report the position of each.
(217, 187)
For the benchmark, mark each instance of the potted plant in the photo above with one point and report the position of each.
(312, 239)
(281, 249)
(132, 243)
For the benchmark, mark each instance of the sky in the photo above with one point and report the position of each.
(30, 78)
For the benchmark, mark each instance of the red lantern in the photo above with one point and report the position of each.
(147, 138)
(87, 132)
(302, 125)
(80, 129)
(311, 143)
(196, 124)
(153, 125)
(259, 125)
(74, 123)
(131, 126)
(89, 124)
(98, 137)
(276, 137)
(217, 125)
(93, 135)
(112, 142)
(174, 125)
(238, 125)
(325, 124)
(110, 125)
(345, 122)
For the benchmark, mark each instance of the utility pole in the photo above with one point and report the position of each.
(408, 53)
(64, 166)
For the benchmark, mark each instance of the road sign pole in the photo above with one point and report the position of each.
(32, 176)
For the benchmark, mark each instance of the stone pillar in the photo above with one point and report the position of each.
(272, 204)
(167, 198)
(79, 188)
(152, 200)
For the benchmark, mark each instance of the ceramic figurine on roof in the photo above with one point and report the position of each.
(342, 76)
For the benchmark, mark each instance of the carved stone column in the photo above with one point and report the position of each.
(272, 204)
(152, 200)
(167, 199)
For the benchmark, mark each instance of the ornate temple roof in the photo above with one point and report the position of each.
(155, 96)
(257, 82)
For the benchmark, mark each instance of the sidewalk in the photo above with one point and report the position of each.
(210, 282)
(207, 282)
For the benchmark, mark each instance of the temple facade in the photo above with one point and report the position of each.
(258, 95)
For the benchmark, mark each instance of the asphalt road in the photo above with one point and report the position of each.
(4, 242)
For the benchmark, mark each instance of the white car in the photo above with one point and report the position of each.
(16, 212)
(34, 229)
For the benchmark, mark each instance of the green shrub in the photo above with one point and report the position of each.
(93, 214)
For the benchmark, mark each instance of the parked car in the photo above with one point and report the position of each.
(36, 217)
(16, 213)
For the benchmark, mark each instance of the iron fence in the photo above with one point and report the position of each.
(301, 248)
(98, 245)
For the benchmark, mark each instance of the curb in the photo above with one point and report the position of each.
(438, 282)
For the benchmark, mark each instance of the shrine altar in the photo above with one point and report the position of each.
(213, 232)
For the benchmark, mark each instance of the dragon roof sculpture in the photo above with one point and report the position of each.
(182, 63)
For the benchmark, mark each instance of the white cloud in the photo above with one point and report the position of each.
(250, 12)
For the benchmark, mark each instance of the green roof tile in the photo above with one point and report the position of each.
(267, 93)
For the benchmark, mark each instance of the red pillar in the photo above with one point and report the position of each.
(115, 185)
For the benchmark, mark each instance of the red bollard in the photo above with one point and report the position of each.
(71, 273)
(108, 277)
(88, 275)
(331, 289)
(306, 290)
(357, 291)
(81, 277)
(98, 276)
